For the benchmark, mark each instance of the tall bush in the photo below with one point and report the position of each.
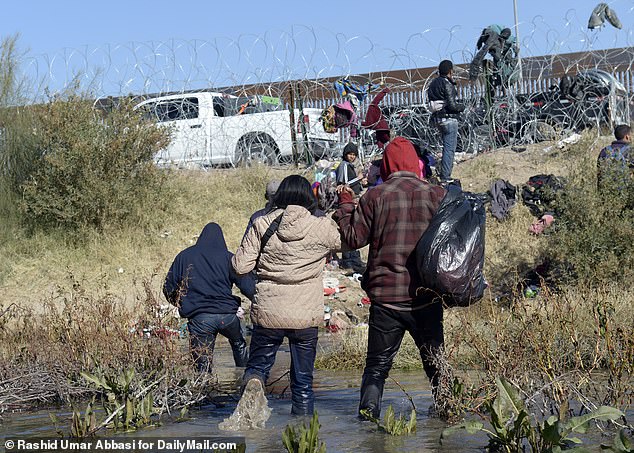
(12, 83)
(11, 87)
(594, 237)
(87, 168)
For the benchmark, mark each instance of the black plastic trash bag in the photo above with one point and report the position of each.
(450, 254)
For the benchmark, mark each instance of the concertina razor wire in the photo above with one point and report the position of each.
(228, 100)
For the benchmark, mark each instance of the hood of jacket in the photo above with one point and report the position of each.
(203, 274)
(212, 235)
(295, 224)
(399, 155)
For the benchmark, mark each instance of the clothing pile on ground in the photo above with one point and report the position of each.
(541, 195)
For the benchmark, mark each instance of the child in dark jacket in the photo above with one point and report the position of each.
(199, 283)
(346, 173)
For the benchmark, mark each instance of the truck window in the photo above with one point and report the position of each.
(172, 110)
(189, 109)
(219, 106)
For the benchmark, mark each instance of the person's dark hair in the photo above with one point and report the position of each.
(350, 148)
(621, 131)
(295, 190)
(444, 67)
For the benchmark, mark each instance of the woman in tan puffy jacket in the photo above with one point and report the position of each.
(289, 292)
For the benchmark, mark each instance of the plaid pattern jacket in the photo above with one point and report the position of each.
(391, 218)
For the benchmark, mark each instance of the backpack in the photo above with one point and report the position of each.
(450, 253)
(325, 186)
(540, 193)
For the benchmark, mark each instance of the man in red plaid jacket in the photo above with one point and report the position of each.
(391, 218)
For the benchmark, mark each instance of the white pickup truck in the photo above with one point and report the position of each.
(209, 128)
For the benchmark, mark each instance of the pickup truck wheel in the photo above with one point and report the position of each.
(257, 151)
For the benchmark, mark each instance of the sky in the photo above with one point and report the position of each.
(140, 46)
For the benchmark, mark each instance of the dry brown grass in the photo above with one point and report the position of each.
(554, 336)
(77, 331)
(478, 173)
(33, 265)
(349, 351)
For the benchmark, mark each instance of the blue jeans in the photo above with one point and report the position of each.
(352, 259)
(203, 329)
(385, 334)
(449, 130)
(303, 343)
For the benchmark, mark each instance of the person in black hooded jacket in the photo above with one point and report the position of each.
(199, 283)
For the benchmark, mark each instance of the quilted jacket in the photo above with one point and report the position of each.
(289, 291)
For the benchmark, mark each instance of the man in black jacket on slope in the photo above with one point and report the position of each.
(199, 283)
(445, 113)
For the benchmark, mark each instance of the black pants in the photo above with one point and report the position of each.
(386, 330)
(352, 259)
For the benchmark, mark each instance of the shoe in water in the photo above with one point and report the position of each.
(252, 410)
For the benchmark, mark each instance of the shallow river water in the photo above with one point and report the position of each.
(337, 395)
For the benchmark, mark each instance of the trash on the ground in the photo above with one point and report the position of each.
(531, 291)
(541, 192)
(182, 330)
(365, 301)
(120, 270)
(330, 282)
(539, 226)
(155, 331)
(333, 291)
(339, 320)
(326, 309)
(165, 311)
(166, 332)
(240, 313)
(570, 140)
(355, 277)
(166, 234)
(351, 316)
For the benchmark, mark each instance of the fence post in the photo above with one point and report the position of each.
(300, 101)
(292, 119)
(488, 100)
